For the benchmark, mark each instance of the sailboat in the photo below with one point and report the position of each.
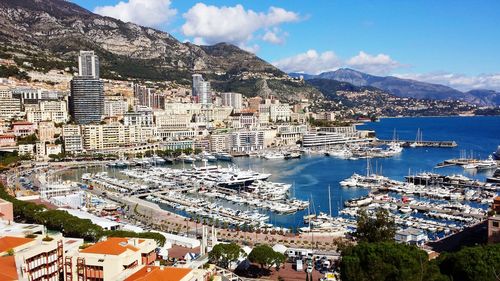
(418, 139)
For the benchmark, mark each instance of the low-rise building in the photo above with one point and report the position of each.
(153, 273)
(112, 259)
(411, 236)
(494, 222)
(27, 149)
(23, 128)
(7, 140)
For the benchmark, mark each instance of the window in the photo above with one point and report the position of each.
(496, 224)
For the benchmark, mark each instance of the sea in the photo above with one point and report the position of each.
(313, 176)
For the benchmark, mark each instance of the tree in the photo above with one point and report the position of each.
(224, 254)
(387, 261)
(266, 257)
(378, 229)
(472, 263)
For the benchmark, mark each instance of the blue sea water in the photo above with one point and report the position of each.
(313, 174)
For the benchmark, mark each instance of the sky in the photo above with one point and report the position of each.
(456, 43)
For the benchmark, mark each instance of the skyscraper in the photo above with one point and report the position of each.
(88, 64)
(201, 90)
(86, 102)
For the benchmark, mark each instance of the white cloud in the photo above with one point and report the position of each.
(310, 62)
(458, 81)
(374, 64)
(232, 24)
(150, 13)
(313, 62)
(275, 36)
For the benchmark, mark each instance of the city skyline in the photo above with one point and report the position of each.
(386, 38)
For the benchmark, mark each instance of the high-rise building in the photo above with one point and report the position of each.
(86, 102)
(201, 90)
(88, 64)
(234, 100)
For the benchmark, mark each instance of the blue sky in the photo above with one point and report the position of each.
(450, 42)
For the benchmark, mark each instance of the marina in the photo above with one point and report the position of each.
(390, 184)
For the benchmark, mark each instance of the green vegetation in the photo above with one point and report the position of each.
(68, 225)
(12, 71)
(387, 261)
(391, 261)
(223, 254)
(8, 158)
(326, 123)
(30, 139)
(379, 229)
(472, 263)
(266, 257)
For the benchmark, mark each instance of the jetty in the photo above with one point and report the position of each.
(412, 143)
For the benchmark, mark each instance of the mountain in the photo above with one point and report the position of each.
(49, 34)
(371, 101)
(408, 88)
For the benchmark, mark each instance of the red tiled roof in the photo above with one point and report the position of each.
(7, 137)
(21, 123)
(8, 270)
(157, 273)
(10, 242)
(111, 246)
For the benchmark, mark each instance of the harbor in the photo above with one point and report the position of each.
(272, 192)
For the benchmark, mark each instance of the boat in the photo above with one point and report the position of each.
(224, 156)
(418, 140)
(495, 178)
(487, 164)
(292, 155)
(275, 155)
(405, 210)
(496, 154)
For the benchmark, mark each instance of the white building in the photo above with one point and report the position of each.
(26, 149)
(246, 141)
(114, 107)
(72, 137)
(234, 100)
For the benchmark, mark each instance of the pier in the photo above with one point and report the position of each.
(436, 210)
(459, 162)
(410, 143)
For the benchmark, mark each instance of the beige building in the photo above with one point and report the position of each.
(172, 122)
(111, 259)
(47, 130)
(56, 111)
(9, 107)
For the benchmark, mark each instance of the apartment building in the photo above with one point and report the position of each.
(245, 141)
(112, 259)
(37, 258)
(72, 137)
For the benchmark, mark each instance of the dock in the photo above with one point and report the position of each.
(458, 162)
(436, 210)
(408, 143)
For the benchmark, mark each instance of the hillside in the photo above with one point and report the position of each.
(49, 34)
(371, 101)
(409, 88)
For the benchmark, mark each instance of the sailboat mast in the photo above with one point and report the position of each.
(329, 200)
